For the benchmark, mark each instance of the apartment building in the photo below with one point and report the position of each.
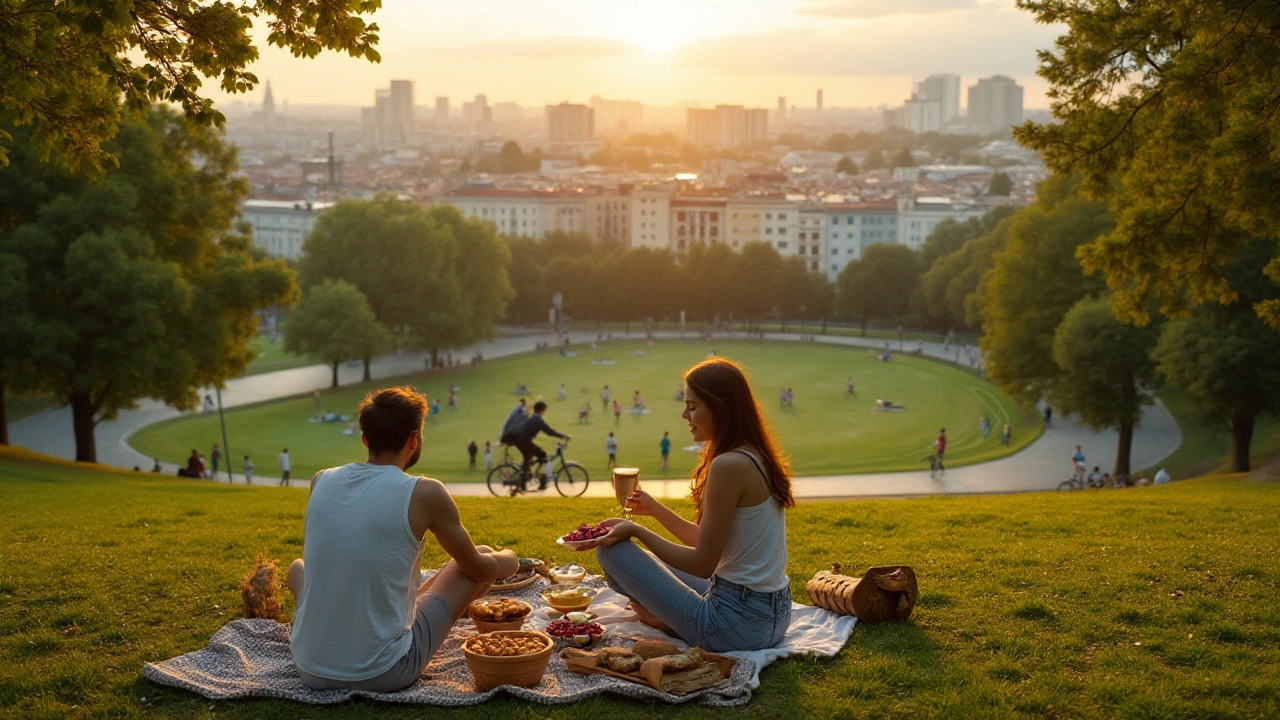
(696, 220)
(651, 217)
(917, 217)
(279, 227)
(853, 227)
(524, 213)
(608, 214)
(811, 236)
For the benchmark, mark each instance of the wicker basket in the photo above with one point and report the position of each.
(882, 593)
(490, 672)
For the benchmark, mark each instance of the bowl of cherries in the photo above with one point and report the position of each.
(577, 629)
(584, 538)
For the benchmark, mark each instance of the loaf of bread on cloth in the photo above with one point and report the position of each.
(680, 673)
(618, 659)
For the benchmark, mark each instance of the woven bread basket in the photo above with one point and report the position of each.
(882, 593)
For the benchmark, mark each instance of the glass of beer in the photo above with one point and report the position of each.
(625, 482)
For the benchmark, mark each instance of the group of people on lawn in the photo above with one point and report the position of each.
(364, 621)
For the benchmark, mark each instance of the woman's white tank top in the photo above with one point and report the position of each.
(756, 554)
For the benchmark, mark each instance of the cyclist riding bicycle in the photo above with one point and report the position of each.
(515, 421)
(524, 440)
(1077, 465)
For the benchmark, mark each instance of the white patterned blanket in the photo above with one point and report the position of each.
(251, 658)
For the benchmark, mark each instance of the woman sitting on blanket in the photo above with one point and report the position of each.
(725, 587)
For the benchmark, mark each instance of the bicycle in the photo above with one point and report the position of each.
(1078, 481)
(935, 466)
(507, 478)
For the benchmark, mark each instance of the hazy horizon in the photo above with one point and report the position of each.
(861, 53)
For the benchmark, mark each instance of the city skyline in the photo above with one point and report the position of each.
(868, 53)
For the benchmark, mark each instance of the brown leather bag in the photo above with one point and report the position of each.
(882, 593)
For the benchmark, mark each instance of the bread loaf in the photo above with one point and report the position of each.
(883, 593)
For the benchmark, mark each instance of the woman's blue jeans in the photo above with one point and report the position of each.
(714, 614)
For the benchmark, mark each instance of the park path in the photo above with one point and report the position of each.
(1039, 466)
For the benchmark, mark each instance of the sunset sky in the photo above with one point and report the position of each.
(861, 52)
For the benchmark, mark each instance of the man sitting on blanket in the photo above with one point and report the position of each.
(362, 620)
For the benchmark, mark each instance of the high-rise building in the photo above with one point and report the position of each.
(727, 126)
(782, 108)
(401, 109)
(995, 103)
(920, 115)
(943, 89)
(568, 122)
(620, 116)
(819, 99)
(483, 113)
(442, 109)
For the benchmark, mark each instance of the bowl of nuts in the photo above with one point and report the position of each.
(507, 657)
(498, 613)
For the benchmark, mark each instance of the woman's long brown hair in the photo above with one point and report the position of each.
(738, 421)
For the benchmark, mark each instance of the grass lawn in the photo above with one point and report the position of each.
(1142, 603)
(272, 356)
(1205, 448)
(827, 431)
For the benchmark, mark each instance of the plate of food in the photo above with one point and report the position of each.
(523, 576)
(576, 629)
(584, 537)
(568, 598)
(568, 573)
(498, 613)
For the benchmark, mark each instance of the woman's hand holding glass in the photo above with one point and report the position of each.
(640, 502)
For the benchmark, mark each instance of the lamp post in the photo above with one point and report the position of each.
(223, 422)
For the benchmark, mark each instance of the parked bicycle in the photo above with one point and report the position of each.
(507, 478)
(935, 466)
(1078, 481)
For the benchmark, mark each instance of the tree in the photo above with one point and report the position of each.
(1224, 356)
(1001, 184)
(16, 331)
(874, 161)
(431, 276)
(532, 295)
(1168, 110)
(955, 256)
(798, 295)
(64, 67)
(134, 286)
(334, 323)
(1035, 280)
(847, 166)
(878, 286)
(1106, 374)
(757, 267)
(706, 282)
(904, 158)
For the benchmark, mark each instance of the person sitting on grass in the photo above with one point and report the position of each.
(363, 620)
(724, 585)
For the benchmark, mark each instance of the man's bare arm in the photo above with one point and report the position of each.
(433, 509)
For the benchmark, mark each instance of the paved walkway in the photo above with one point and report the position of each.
(1040, 466)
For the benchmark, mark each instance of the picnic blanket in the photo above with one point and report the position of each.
(251, 658)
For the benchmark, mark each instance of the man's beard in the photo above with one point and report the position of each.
(413, 459)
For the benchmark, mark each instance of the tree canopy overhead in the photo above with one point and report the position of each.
(1172, 111)
(65, 66)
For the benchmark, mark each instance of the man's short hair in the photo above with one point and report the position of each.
(389, 417)
(539, 406)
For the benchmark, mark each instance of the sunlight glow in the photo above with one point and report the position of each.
(656, 27)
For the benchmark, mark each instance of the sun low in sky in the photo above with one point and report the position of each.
(861, 52)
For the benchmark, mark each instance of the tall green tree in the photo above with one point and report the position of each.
(1225, 356)
(431, 276)
(706, 281)
(1034, 282)
(878, 286)
(956, 256)
(528, 281)
(1168, 109)
(759, 267)
(1106, 374)
(333, 323)
(1001, 184)
(847, 166)
(134, 284)
(65, 66)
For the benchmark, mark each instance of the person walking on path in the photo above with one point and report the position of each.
(611, 447)
(248, 471)
(1078, 465)
(472, 449)
(488, 456)
(665, 444)
(940, 447)
(985, 424)
(1048, 416)
(1006, 435)
(285, 467)
(214, 457)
